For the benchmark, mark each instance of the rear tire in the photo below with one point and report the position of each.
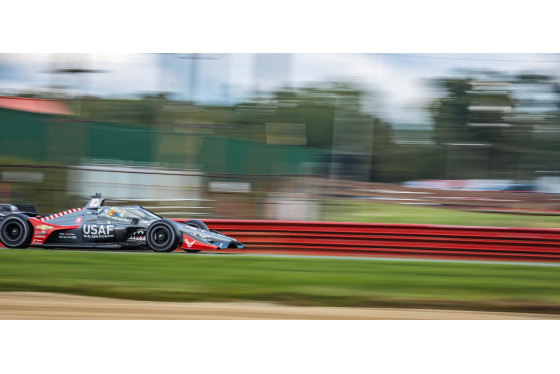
(16, 231)
(162, 236)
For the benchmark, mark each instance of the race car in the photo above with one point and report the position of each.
(106, 227)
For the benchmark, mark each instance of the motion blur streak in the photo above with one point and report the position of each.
(416, 241)
(238, 135)
(35, 305)
(392, 140)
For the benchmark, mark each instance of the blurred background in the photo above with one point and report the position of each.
(339, 137)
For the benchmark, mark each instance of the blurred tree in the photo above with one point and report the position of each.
(143, 111)
(330, 115)
(470, 126)
(383, 167)
(31, 95)
(450, 113)
(313, 106)
(539, 115)
(332, 118)
(493, 125)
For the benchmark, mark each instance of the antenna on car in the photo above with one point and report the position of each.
(95, 202)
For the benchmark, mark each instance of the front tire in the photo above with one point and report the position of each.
(16, 231)
(162, 236)
(198, 224)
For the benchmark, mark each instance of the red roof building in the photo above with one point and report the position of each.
(46, 106)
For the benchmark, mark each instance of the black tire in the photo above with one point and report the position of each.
(162, 236)
(197, 223)
(16, 231)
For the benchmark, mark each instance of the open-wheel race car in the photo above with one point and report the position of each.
(106, 227)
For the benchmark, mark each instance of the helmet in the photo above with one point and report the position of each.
(116, 213)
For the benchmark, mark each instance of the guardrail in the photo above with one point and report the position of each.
(392, 240)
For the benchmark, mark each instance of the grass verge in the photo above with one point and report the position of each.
(295, 281)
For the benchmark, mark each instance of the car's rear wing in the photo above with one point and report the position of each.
(27, 209)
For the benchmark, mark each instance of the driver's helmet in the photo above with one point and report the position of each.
(116, 213)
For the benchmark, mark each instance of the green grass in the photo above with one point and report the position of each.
(298, 281)
(366, 211)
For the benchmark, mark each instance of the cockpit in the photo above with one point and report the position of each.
(128, 213)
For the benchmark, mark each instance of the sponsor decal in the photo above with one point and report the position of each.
(98, 231)
(67, 236)
(79, 220)
(120, 219)
(194, 244)
(42, 229)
